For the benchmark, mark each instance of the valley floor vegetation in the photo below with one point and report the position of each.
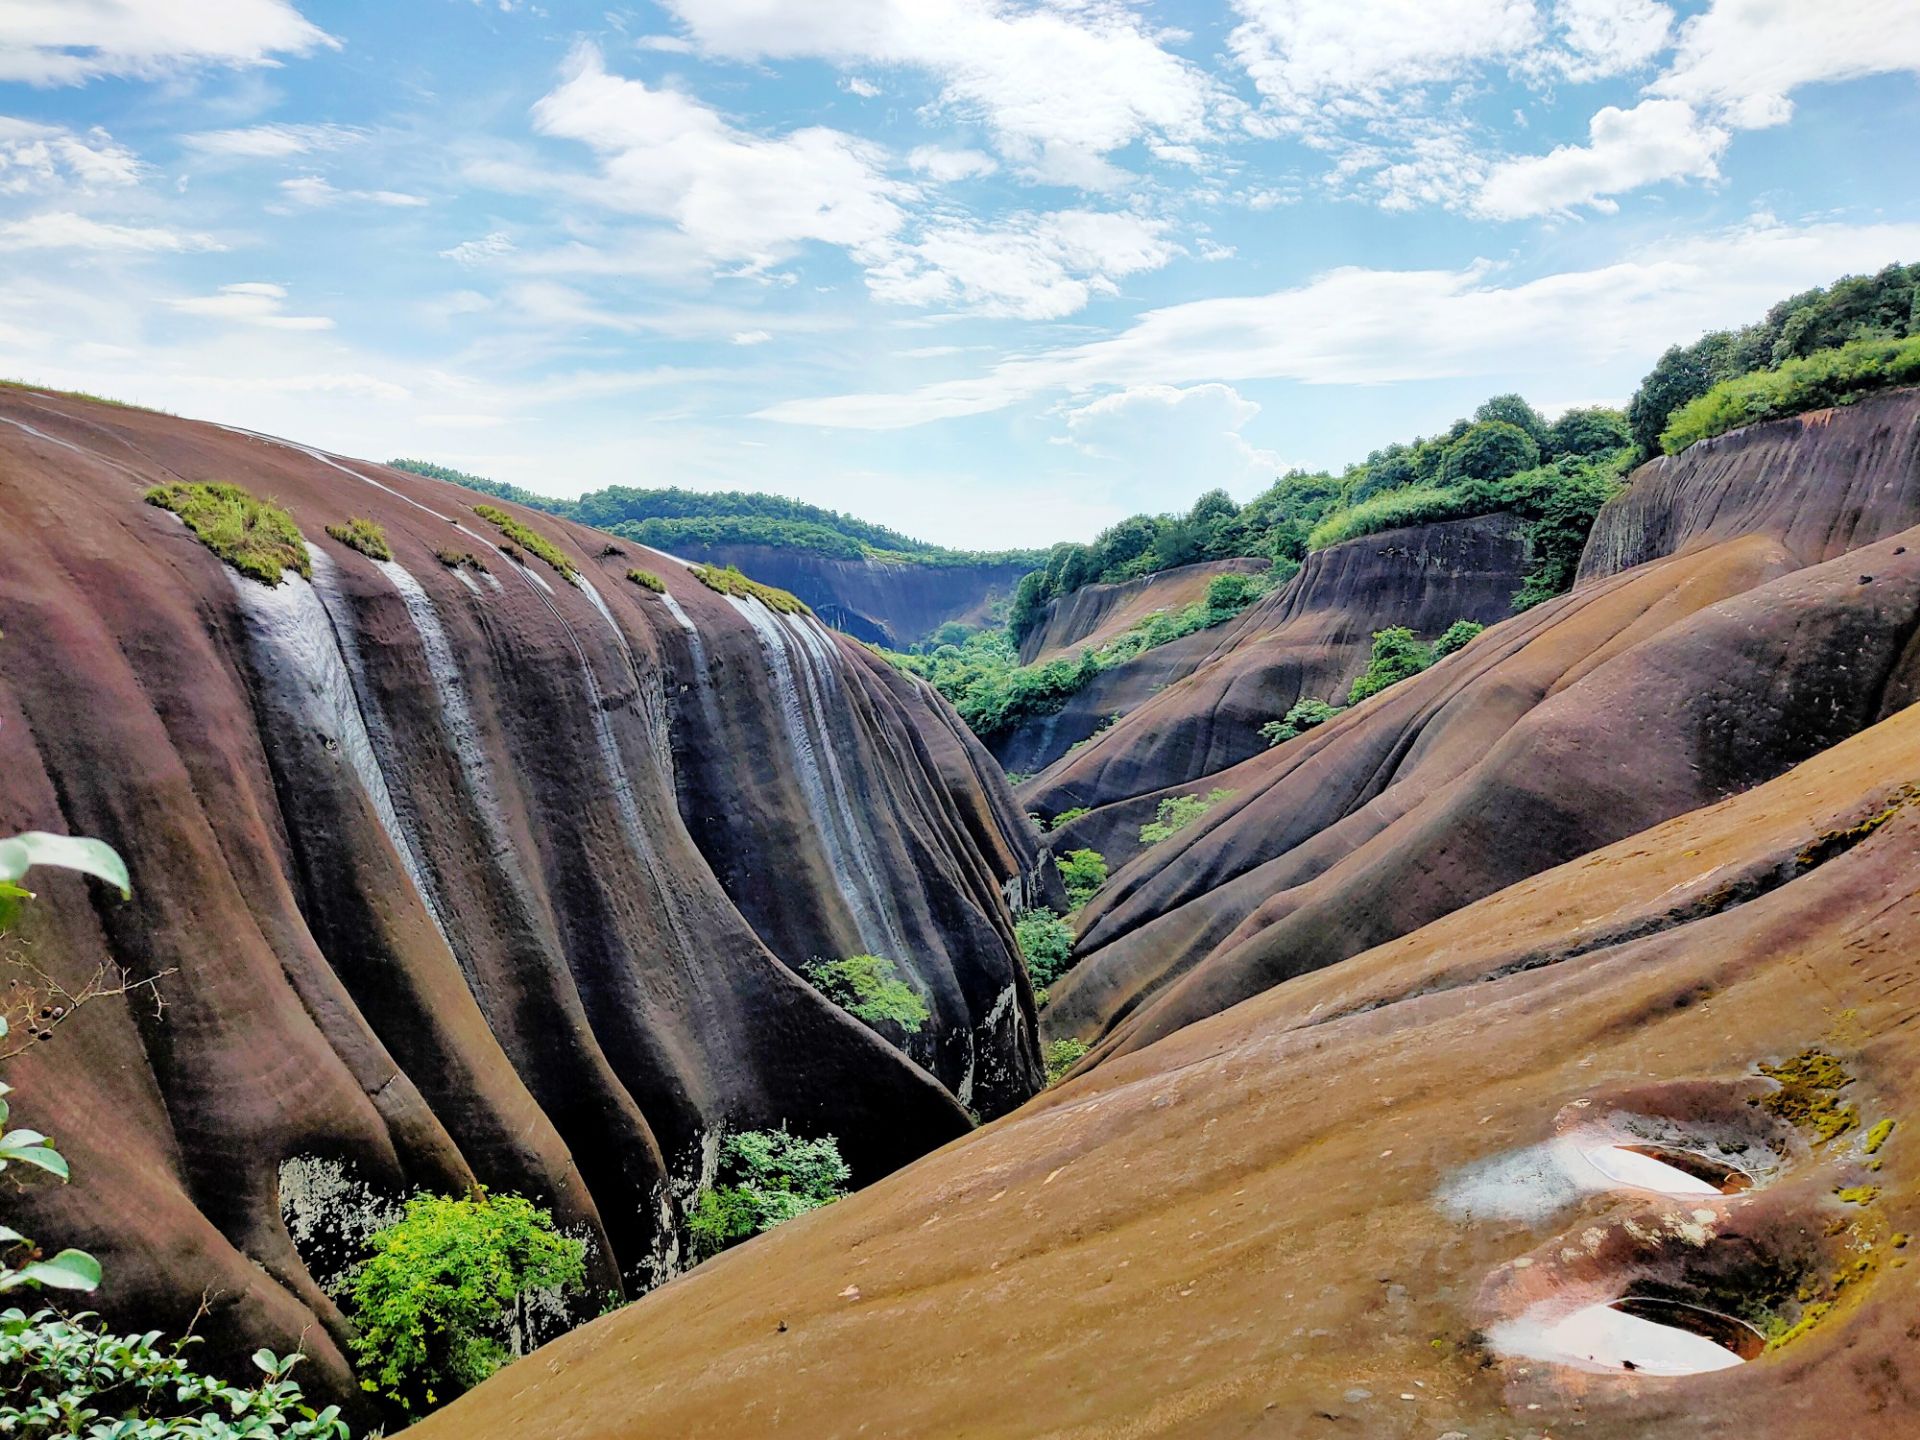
(765, 1177)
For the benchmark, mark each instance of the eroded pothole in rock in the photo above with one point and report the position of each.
(1633, 1334)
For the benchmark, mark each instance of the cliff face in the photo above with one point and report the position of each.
(883, 602)
(455, 876)
(1309, 639)
(1096, 614)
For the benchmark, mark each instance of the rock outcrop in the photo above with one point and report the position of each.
(452, 872)
(884, 602)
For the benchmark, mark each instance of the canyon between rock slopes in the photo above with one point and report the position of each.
(477, 878)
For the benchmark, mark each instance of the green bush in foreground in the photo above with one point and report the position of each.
(1083, 872)
(369, 537)
(869, 988)
(528, 539)
(647, 580)
(1062, 1056)
(443, 1284)
(1397, 656)
(1046, 944)
(1304, 716)
(1177, 812)
(1456, 637)
(768, 1176)
(1812, 382)
(257, 538)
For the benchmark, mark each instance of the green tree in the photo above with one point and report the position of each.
(1083, 872)
(1304, 716)
(869, 988)
(1177, 812)
(1491, 450)
(1397, 655)
(1589, 430)
(1046, 945)
(1232, 592)
(1515, 411)
(767, 1176)
(1455, 637)
(444, 1289)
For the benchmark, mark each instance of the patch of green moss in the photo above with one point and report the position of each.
(1808, 1094)
(647, 580)
(528, 539)
(1877, 1136)
(255, 536)
(1858, 1194)
(369, 537)
(728, 580)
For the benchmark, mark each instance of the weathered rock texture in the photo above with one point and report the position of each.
(1095, 615)
(884, 602)
(455, 877)
(1580, 881)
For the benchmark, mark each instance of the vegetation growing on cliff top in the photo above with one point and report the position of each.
(728, 580)
(528, 539)
(1828, 377)
(255, 536)
(367, 536)
(765, 1177)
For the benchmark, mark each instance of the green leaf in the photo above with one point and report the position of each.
(267, 1361)
(72, 852)
(69, 1270)
(11, 1236)
(40, 1156)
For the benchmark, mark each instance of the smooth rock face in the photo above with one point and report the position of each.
(454, 877)
(883, 602)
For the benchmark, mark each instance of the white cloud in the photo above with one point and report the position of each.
(945, 166)
(251, 302)
(35, 158)
(1033, 267)
(751, 337)
(865, 89)
(1057, 86)
(490, 246)
(269, 142)
(1656, 140)
(741, 196)
(64, 230)
(314, 191)
(1599, 38)
(1358, 57)
(1357, 326)
(1744, 58)
(68, 42)
(1169, 441)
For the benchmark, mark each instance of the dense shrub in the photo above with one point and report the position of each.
(1062, 1056)
(1491, 450)
(1177, 812)
(256, 537)
(1456, 637)
(869, 988)
(1829, 377)
(647, 580)
(1083, 872)
(1068, 816)
(528, 539)
(1304, 716)
(369, 537)
(444, 1289)
(765, 1177)
(1588, 430)
(1046, 944)
(1397, 655)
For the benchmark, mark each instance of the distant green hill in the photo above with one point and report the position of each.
(666, 519)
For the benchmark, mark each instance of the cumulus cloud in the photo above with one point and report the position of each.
(1656, 140)
(73, 41)
(743, 197)
(1057, 87)
(1360, 326)
(251, 302)
(269, 142)
(946, 166)
(64, 230)
(1033, 267)
(35, 158)
(1170, 441)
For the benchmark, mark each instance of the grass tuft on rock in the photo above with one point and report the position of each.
(460, 560)
(647, 580)
(369, 537)
(255, 536)
(728, 580)
(529, 540)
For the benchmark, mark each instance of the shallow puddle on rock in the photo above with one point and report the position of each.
(1670, 1172)
(1637, 1335)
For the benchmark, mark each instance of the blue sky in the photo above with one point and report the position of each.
(991, 271)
